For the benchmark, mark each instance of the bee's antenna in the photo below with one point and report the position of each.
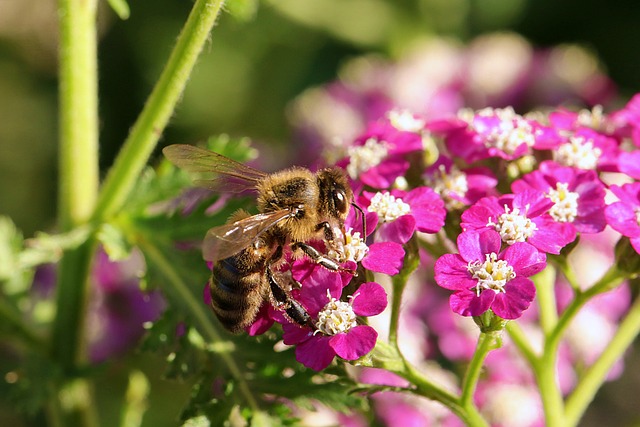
(364, 220)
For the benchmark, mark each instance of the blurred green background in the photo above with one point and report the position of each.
(251, 70)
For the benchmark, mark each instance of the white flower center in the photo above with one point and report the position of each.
(513, 227)
(578, 152)
(353, 248)
(565, 208)
(388, 207)
(510, 135)
(336, 317)
(491, 274)
(403, 120)
(364, 157)
(594, 118)
(450, 186)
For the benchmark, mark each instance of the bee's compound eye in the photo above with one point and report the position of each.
(340, 200)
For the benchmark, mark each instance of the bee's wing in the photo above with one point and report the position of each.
(228, 175)
(229, 239)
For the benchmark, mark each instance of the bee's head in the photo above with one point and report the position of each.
(335, 193)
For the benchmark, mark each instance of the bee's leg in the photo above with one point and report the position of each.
(294, 310)
(319, 258)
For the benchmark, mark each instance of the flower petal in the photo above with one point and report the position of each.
(369, 300)
(525, 259)
(466, 303)
(316, 353)
(355, 343)
(384, 257)
(473, 245)
(451, 272)
(517, 298)
(399, 231)
(294, 334)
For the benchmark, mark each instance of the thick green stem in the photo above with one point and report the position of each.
(592, 380)
(78, 157)
(158, 110)
(68, 346)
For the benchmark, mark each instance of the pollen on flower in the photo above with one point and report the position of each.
(565, 208)
(510, 135)
(353, 248)
(513, 227)
(450, 186)
(364, 157)
(403, 120)
(388, 207)
(491, 274)
(578, 152)
(594, 118)
(336, 317)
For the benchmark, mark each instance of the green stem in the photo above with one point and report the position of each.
(545, 284)
(468, 413)
(196, 309)
(486, 343)
(592, 380)
(78, 157)
(411, 262)
(608, 281)
(158, 109)
(545, 372)
(521, 341)
(68, 347)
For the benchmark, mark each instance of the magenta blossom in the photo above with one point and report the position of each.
(520, 217)
(483, 277)
(587, 149)
(400, 213)
(624, 215)
(337, 332)
(459, 187)
(379, 257)
(578, 195)
(494, 132)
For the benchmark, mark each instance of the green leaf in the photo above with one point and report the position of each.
(121, 8)
(114, 242)
(10, 247)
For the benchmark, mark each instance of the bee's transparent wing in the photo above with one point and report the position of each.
(229, 239)
(227, 174)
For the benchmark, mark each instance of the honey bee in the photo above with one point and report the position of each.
(295, 205)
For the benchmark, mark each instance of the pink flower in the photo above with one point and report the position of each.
(400, 214)
(459, 187)
(627, 120)
(585, 148)
(483, 277)
(495, 132)
(337, 331)
(578, 195)
(520, 217)
(624, 215)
